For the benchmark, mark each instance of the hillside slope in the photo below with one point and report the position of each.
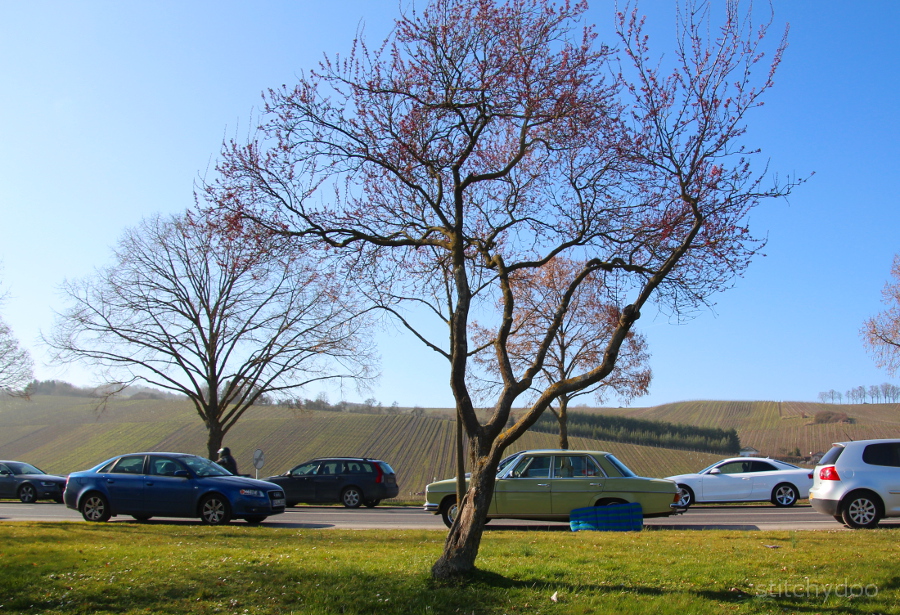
(64, 434)
(775, 428)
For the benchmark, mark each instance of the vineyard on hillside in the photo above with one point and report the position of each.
(61, 435)
(617, 428)
(776, 428)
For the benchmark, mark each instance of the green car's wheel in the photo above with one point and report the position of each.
(449, 510)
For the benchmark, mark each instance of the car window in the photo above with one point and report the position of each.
(387, 469)
(202, 467)
(331, 468)
(762, 466)
(22, 468)
(735, 467)
(882, 454)
(129, 465)
(621, 467)
(831, 456)
(306, 469)
(163, 466)
(3, 468)
(533, 467)
(574, 466)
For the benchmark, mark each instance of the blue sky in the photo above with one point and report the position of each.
(109, 111)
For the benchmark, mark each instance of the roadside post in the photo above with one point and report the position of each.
(259, 460)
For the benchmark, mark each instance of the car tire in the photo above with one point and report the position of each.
(215, 510)
(861, 510)
(372, 503)
(142, 518)
(255, 519)
(685, 496)
(27, 493)
(351, 497)
(784, 495)
(95, 508)
(449, 509)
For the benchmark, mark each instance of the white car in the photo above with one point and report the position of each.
(858, 483)
(745, 479)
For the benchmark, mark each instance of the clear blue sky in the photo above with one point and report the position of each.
(110, 110)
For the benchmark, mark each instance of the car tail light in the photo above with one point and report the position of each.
(828, 473)
(380, 477)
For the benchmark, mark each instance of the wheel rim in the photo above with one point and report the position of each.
(213, 511)
(451, 512)
(862, 511)
(351, 498)
(785, 496)
(94, 508)
(26, 494)
(684, 497)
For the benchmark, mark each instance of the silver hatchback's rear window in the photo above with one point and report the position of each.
(831, 456)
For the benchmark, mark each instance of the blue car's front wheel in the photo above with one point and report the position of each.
(215, 510)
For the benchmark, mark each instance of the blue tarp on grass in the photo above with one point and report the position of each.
(612, 518)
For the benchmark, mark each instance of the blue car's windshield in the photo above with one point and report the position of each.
(204, 467)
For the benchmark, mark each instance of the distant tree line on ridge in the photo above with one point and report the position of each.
(645, 432)
(875, 394)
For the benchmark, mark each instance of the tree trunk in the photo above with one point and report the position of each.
(214, 440)
(563, 418)
(461, 546)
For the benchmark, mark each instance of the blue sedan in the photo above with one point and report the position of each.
(146, 485)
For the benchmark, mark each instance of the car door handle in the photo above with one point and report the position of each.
(149, 483)
(543, 484)
(110, 481)
(593, 484)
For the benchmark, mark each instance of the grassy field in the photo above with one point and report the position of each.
(131, 568)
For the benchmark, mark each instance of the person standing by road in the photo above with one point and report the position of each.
(226, 460)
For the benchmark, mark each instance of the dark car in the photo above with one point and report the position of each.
(349, 480)
(146, 485)
(28, 483)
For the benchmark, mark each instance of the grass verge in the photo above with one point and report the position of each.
(187, 568)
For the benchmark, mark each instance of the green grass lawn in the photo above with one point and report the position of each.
(188, 568)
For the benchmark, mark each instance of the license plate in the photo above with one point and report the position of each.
(278, 503)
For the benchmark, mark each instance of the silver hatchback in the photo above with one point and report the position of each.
(858, 483)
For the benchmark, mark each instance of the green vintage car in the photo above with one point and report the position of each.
(549, 484)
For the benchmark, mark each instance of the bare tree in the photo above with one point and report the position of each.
(16, 364)
(881, 333)
(483, 140)
(579, 342)
(221, 317)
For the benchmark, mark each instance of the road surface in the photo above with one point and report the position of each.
(746, 518)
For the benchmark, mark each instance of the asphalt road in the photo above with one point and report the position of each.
(746, 518)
